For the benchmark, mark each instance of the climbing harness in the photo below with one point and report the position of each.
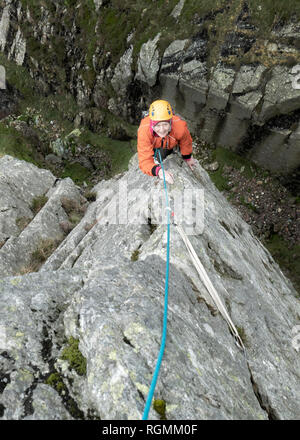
(206, 281)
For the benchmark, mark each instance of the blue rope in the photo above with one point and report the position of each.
(164, 333)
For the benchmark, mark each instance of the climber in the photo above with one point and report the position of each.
(162, 130)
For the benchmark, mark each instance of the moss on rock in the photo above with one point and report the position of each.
(72, 354)
(159, 406)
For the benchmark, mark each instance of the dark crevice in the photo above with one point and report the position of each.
(6, 356)
(128, 342)
(213, 310)
(27, 403)
(292, 182)
(262, 399)
(239, 230)
(2, 409)
(4, 380)
(46, 345)
(219, 264)
(141, 395)
(257, 133)
(152, 227)
(225, 270)
(288, 121)
(54, 380)
(226, 227)
(76, 258)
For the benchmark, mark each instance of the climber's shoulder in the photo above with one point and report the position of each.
(145, 122)
(179, 124)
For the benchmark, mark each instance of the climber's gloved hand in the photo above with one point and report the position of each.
(169, 176)
(190, 162)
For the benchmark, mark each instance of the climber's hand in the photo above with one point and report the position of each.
(169, 176)
(190, 162)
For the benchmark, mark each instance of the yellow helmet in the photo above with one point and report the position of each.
(160, 110)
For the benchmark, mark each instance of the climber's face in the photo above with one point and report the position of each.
(162, 128)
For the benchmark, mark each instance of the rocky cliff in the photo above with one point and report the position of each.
(80, 332)
(230, 68)
(82, 278)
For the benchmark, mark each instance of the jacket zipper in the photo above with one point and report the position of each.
(162, 143)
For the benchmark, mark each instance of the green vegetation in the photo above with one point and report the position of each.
(288, 258)
(74, 210)
(226, 157)
(160, 407)
(135, 255)
(51, 117)
(91, 196)
(76, 172)
(266, 13)
(44, 250)
(37, 203)
(117, 19)
(18, 77)
(248, 205)
(242, 334)
(75, 358)
(55, 381)
(120, 19)
(22, 222)
(120, 152)
(13, 143)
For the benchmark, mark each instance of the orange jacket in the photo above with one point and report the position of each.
(179, 135)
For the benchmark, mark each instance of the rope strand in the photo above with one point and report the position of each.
(164, 333)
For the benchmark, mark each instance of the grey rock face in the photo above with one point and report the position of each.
(178, 8)
(220, 87)
(98, 4)
(284, 144)
(4, 26)
(92, 289)
(183, 78)
(123, 73)
(19, 183)
(223, 105)
(17, 48)
(280, 95)
(248, 79)
(148, 62)
(47, 405)
(29, 342)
